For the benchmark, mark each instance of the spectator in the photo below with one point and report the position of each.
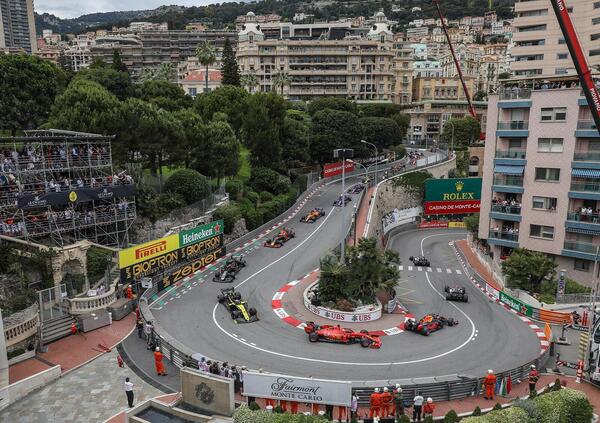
(129, 392)
(417, 407)
(428, 408)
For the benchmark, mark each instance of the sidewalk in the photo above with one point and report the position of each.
(363, 213)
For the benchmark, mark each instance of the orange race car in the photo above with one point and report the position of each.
(283, 236)
(313, 215)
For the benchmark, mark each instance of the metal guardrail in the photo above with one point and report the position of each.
(575, 298)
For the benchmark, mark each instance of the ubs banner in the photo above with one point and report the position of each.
(195, 247)
(452, 196)
(290, 388)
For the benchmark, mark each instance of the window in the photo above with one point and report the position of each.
(529, 58)
(532, 28)
(595, 52)
(595, 21)
(562, 56)
(552, 114)
(581, 265)
(550, 145)
(544, 203)
(541, 231)
(528, 72)
(540, 12)
(594, 37)
(547, 174)
(597, 5)
(561, 40)
(560, 71)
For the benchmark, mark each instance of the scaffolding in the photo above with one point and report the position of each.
(60, 186)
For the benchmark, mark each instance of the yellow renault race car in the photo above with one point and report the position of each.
(238, 308)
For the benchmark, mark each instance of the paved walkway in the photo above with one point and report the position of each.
(92, 393)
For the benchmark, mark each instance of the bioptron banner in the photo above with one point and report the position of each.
(452, 196)
(201, 245)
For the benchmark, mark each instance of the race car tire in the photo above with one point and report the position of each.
(465, 298)
(451, 322)
(229, 278)
(365, 342)
(221, 299)
(235, 314)
(411, 258)
(252, 311)
(237, 296)
(448, 297)
(313, 337)
(446, 289)
(425, 331)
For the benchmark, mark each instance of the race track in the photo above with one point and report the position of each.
(487, 337)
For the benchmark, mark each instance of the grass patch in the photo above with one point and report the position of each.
(244, 172)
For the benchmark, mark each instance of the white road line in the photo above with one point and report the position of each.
(410, 268)
(400, 267)
(458, 272)
(439, 270)
(448, 270)
(419, 268)
(429, 269)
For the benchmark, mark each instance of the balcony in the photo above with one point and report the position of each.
(505, 239)
(515, 93)
(585, 189)
(583, 223)
(510, 213)
(510, 154)
(510, 184)
(513, 129)
(581, 250)
(587, 129)
(587, 156)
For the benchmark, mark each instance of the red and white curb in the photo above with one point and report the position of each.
(539, 332)
(277, 306)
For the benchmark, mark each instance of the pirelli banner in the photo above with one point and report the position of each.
(187, 250)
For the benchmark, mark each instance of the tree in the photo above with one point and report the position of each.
(206, 56)
(383, 132)
(86, 106)
(222, 151)
(466, 131)
(28, 86)
(268, 180)
(164, 94)
(227, 99)
(188, 183)
(403, 122)
(280, 80)
(296, 139)
(472, 224)
(193, 140)
(528, 269)
(451, 417)
(262, 128)
(249, 80)
(115, 81)
(117, 62)
(480, 96)
(503, 75)
(386, 110)
(333, 129)
(413, 182)
(230, 73)
(163, 72)
(334, 103)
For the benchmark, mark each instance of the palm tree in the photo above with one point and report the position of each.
(206, 55)
(249, 80)
(281, 79)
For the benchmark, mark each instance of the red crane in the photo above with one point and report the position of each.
(456, 62)
(581, 65)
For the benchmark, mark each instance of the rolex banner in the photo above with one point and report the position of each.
(452, 196)
(81, 195)
(203, 244)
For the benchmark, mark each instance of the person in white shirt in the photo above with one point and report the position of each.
(417, 407)
(129, 392)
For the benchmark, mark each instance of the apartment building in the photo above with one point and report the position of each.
(403, 71)
(441, 88)
(539, 46)
(541, 178)
(360, 68)
(17, 25)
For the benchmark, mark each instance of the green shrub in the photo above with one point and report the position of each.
(399, 149)
(252, 216)
(547, 298)
(497, 407)
(509, 415)
(253, 406)
(97, 262)
(230, 214)
(403, 419)
(234, 188)
(264, 179)
(278, 410)
(574, 287)
(477, 411)
(252, 196)
(557, 385)
(564, 406)
(451, 417)
(161, 205)
(190, 184)
(529, 407)
(428, 419)
(269, 210)
(266, 196)
(474, 419)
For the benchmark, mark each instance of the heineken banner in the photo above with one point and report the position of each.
(156, 256)
(82, 195)
(452, 196)
(515, 304)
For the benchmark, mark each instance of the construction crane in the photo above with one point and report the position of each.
(581, 65)
(456, 62)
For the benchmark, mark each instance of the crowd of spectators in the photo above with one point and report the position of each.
(507, 205)
(53, 156)
(587, 214)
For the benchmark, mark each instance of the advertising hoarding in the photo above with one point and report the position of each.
(452, 207)
(452, 196)
(334, 169)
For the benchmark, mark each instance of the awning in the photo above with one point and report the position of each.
(584, 231)
(509, 170)
(586, 173)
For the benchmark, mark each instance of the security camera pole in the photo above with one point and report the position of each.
(343, 154)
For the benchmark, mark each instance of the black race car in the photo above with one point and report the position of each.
(419, 261)
(238, 308)
(355, 189)
(456, 293)
(342, 200)
(429, 323)
(231, 268)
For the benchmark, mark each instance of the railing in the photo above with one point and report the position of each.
(514, 181)
(582, 247)
(575, 298)
(586, 124)
(506, 209)
(587, 156)
(504, 235)
(84, 305)
(580, 217)
(517, 125)
(510, 154)
(515, 93)
(26, 326)
(588, 186)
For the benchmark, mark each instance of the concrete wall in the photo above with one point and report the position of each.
(20, 389)
(208, 393)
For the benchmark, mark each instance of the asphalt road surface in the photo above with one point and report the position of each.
(487, 336)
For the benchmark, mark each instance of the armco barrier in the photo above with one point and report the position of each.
(440, 388)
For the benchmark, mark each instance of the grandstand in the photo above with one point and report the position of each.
(59, 187)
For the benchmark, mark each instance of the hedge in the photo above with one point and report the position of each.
(190, 184)
(509, 415)
(245, 415)
(230, 214)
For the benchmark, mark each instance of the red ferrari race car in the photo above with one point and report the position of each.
(283, 236)
(429, 323)
(339, 335)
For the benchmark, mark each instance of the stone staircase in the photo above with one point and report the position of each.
(57, 328)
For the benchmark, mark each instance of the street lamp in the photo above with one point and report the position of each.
(343, 154)
(376, 157)
(452, 124)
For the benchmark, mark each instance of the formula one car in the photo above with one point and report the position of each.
(238, 308)
(283, 236)
(231, 268)
(342, 200)
(419, 261)
(429, 323)
(457, 293)
(355, 189)
(339, 335)
(313, 215)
